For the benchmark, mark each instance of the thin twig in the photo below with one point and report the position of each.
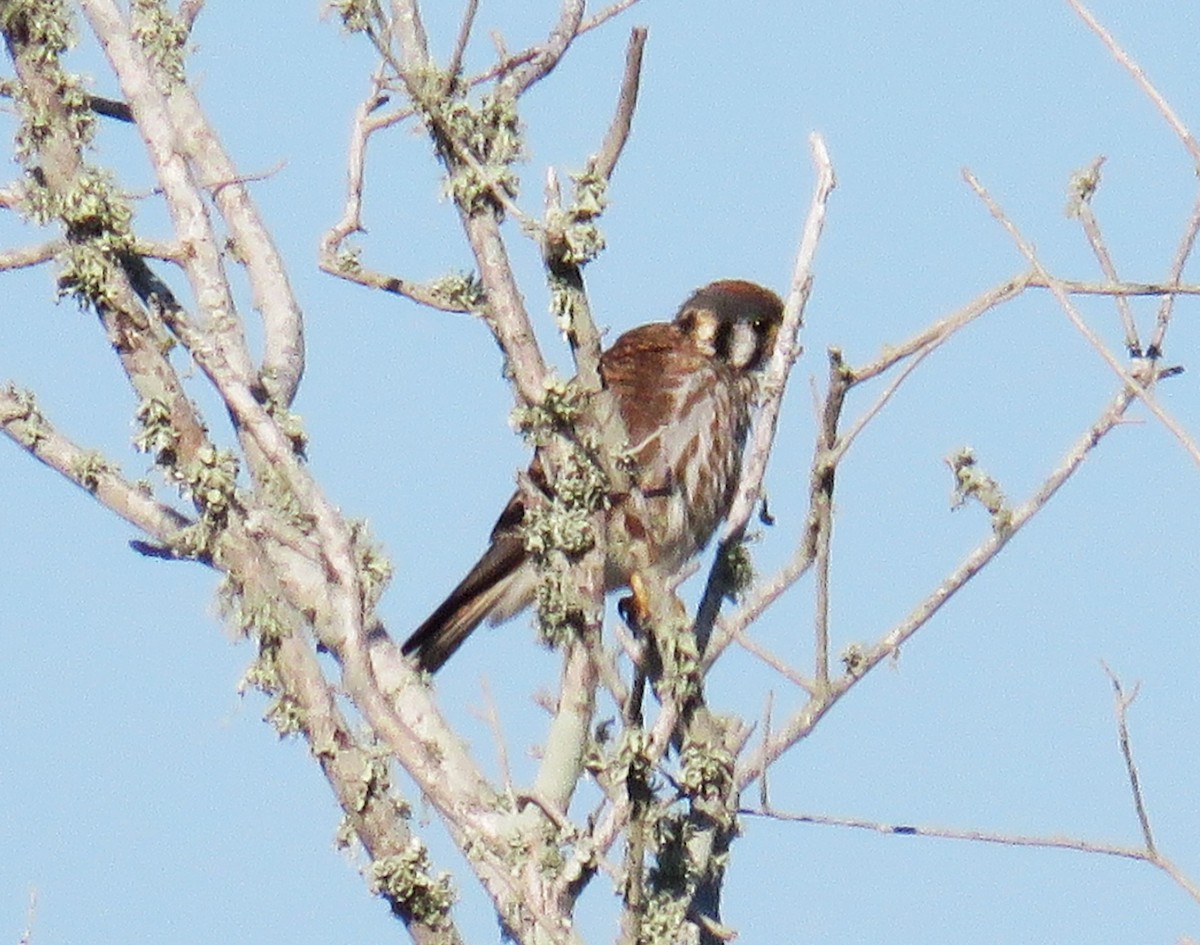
(510, 61)
(110, 108)
(774, 382)
(492, 717)
(550, 53)
(216, 186)
(464, 37)
(846, 440)
(12, 196)
(787, 345)
(343, 264)
(752, 646)
(940, 330)
(757, 600)
(953, 833)
(566, 274)
(30, 916)
(803, 721)
(603, 16)
(24, 424)
(1079, 287)
(1081, 207)
(1003, 839)
(1080, 324)
(1140, 78)
(820, 512)
(31, 255)
(1186, 244)
(606, 158)
(366, 123)
(553, 813)
(1121, 704)
(764, 791)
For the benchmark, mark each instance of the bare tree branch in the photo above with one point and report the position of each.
(1121, 704)
(1003, 839)
(1076, 287)
(23, 422)
(1083, 186)
(1139, 77)
(787, 350)
(272, 294)
(555, 47)
(606, 158)
(1134, 383)
(1146, 854)
(137, 339)
(464, 37)
(31, 255)
(861, 660)
(1186, 244)
(206, 269)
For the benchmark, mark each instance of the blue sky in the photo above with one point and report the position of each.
(145, 800)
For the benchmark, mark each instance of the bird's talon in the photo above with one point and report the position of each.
(635, 608)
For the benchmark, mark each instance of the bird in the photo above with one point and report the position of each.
(685, 390)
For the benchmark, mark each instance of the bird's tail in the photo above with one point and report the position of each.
(501, 584)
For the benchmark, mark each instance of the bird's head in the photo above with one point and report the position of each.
(733, 321)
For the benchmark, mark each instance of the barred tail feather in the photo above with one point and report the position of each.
(500, 585)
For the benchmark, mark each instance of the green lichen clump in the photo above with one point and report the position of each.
(210, 480)
(58, 125)
(478, 142)
(565, 522)
(561, 609)
(40, 32)
(581, 234)
(27, 425)
(98, 222)
(631, 759)
(254, 615)
(88, 469)
(157, 435)
(349, 260)
(461, 290)
(971, 481)
(290, 424)
(562, 405)
(671, 882)
(405, 880)
(162, 37)
(680, 654)
(664, 921)
(706, 772)
(1082, 187)
(854, 658)
(42, 25)
(374, 567)
(356, 15)
(560, 528)
(285, 715)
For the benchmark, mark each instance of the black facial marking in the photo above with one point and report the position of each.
(722, 340)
